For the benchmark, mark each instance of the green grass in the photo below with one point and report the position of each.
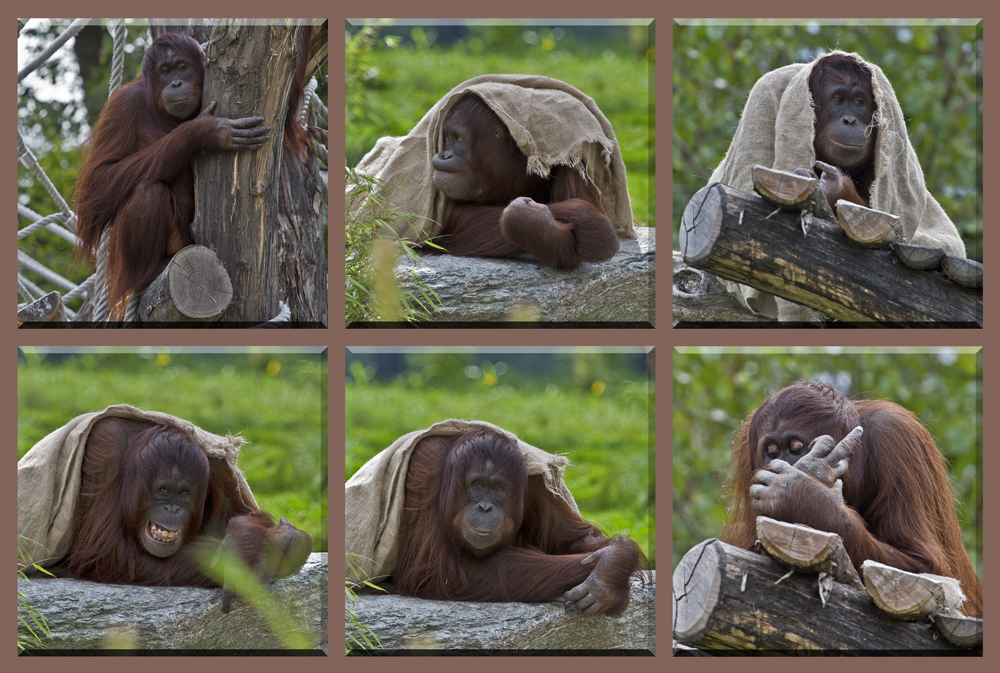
(608, 438)
(276, 400)
(616, 75)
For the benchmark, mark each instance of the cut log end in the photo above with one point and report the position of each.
(920, 257)
(961, 631)
(697, 586)
(44, 310)
(965, 272)
(701, 224)
(865, 226)
(807, 550)
(910, 596)
(193, 287)
(791, 191)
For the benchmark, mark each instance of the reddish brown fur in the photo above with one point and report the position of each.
(539, 561)
(137, 176)
(120, 459)
(900, 506)
(849, 183)
(574, 229)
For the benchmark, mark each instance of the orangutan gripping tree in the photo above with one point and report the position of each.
(149, 170)
(137, 178)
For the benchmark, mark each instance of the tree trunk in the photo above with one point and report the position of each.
(240, 205)
(299, 238)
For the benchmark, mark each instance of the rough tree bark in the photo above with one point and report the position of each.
(258, 232)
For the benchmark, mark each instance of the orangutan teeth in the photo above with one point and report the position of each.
(162, 534)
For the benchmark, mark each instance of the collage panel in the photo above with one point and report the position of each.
(191, 191)
(798, 471)
(501, 172)
(512, 489)
(828, 173)
(187, 486)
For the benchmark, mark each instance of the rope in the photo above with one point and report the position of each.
(24, 291)
(117, 29)
(321, 109)
(310, 91)
(28, 160)
(100, 295)
(53, 47)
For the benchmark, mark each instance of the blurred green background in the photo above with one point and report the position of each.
(396, 72)
(276, 399)
(936, 70)
(714, 389)
(594, 406)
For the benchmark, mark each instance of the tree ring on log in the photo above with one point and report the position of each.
(696, 593)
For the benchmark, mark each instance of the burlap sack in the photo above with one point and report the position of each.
(49, 474)
(552, 122)
(374, 494)
(777, 129)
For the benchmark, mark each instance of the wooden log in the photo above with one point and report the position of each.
(918, 256)
(792, 191)
(911, 596)
(866, 226)
(700, 297)
(726, 232)
(193, 288)
(808, 550)
(44, 311)
(726, 601)
(788, 190)
(967, 272)
(962, 631)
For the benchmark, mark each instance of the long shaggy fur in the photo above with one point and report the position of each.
(542, 557)
(120, 459)
(576, 230)
(901, 509)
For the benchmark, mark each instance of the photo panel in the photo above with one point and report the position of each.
(191, 191)
(881, 446)
(501, 172)
(828, 173)
(192, 477)
(508, 487)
